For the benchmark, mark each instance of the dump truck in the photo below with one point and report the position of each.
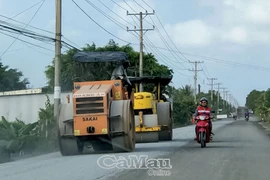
(101, 113)
(153, 111)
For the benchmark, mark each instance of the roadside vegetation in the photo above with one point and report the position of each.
(40, 137)
(259, 102)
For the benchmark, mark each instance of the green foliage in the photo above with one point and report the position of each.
(259, 102)
(36, 138)
(47, 129)
(17, 134)
(72, 71)
(41, 137)
(183, 105)
(4, 154)
(252, 97)
(10, 79)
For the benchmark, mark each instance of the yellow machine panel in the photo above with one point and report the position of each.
(143, 100)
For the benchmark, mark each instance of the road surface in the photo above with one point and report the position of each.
(240, 151)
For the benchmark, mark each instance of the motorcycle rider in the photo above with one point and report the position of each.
(203, 109)
(234, 115)
(247, 114)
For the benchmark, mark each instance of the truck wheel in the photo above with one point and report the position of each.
(149, 121)
(68, 145)
(126, 123)
(165, 118)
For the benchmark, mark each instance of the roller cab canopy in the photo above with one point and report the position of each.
(106, 56)
(163, 80)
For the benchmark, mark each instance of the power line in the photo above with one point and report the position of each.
(141, 39)
(140, 5)
(218, 96)
(166, 44)
(166, 62)
(112, 19)
(109, 17)
(167, 33)
(147, 4)
(26, 42)
(26, 9)
(219, 60)
(31, 27)
(33, 35)
(161, 37)
(148, 42)
(195, 77)
(24, 29)
(212, 84)
(135, 11)
(100, 25)
(116, 14)
(106, 15)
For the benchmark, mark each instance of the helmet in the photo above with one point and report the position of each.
(203, 99)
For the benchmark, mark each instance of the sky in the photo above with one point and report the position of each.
(230, 38)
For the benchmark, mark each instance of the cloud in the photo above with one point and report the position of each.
(250, 11)
(236, 35)
(1, 6)
(239, 22)
(191, 33)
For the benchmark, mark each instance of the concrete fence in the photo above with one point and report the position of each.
(25, 106)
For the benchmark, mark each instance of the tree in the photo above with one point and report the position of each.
(259, 102)
(11, 79)
(72, 71)
(183, 105)
(251, 98)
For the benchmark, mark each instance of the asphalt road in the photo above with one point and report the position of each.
(240, 151)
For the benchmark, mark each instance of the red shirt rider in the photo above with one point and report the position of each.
(203, 109)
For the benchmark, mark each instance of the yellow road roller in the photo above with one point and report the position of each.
(153, 112)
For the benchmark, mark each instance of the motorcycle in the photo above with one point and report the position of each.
(247, 118)
(235, 117)
(202, 129)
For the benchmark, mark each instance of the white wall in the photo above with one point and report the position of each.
(26, 107)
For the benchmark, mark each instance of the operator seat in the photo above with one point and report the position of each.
(120, 73)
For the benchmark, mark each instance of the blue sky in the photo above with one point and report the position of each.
(220, 33)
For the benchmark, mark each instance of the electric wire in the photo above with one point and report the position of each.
(24, 28)
(100, 25)
(5, 22)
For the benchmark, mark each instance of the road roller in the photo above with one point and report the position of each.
(153, 112)
(100, 114)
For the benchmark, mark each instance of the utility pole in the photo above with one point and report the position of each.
(141, 38)
(218, 96)
(212, 84)
(57, 60)
(226, 96)
(229, 100)
(195, 77)
(223, 105)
